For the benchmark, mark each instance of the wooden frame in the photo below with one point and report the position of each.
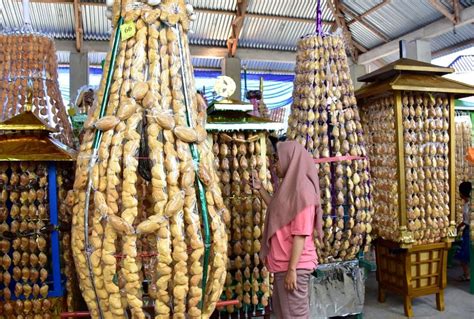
(452, 167)
(397, 272)
(400, 144)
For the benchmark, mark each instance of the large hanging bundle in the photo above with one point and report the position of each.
(325, 120)
(464, 170)
(148, 204)
(238, 155)
(28, 65)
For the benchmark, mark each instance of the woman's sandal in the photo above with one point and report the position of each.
(463, 278)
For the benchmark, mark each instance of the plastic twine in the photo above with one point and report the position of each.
(195, 155)
(95, 146)
(26, 12)
(319, 19)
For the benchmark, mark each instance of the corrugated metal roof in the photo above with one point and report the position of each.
(300, 9)
(206, 63)
(274, 34)
(395, 18)
(211, 29)
(63, 57)
(274, 67)
(366, 39)
(53, 19)
(464, 34)
(93, 22)
(215, 4)
(96, 58)
(463, 64)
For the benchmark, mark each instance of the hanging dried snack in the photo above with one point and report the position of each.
(138, 190)
(33, 68)
(325, 120)
(423, 128)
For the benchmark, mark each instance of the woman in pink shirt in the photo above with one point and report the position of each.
(292, 215)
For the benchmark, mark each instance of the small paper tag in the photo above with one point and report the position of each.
(127, 30)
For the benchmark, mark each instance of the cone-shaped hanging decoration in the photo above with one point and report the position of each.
(325, 119)
(148, 205)
(28, 64)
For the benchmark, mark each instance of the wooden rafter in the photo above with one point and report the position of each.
(451, 49)
(237, 25)
(263, 16)
(370, 27)
(443, 10)
(341, 23)
(359, 46)
(370, 11)
(78, 24)
(457, 10)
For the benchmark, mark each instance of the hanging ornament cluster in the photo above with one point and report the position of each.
(148, 207)
(325, 120)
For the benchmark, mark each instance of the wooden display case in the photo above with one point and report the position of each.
(34, 162)
(393, 93)
(413, 272)
(408, 111)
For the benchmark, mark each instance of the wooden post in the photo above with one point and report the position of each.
(452, 169)
(402, 200)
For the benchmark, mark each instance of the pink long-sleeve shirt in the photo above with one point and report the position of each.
(281, 243)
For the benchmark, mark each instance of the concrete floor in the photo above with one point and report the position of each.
(459, 302)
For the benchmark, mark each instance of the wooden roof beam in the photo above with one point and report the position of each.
(78, 25)
(430, 31)
(370, 11)
(370, 27)
(236, 26)
(444, 11)
(453, 48)
(341, 23)
(210, 11)
(457, 10)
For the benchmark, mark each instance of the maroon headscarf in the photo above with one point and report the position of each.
(298, 190)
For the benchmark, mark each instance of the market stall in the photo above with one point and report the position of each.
(240, 149)
(408, 114)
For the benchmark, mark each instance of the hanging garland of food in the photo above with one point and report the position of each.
(148, 204)
(464, 170)
(28, 63)
(425, 123)
(325, 120)
(33, 123)
(240, 150)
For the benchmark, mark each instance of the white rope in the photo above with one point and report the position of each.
(26, 12)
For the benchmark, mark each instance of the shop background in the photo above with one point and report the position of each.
(278, 88)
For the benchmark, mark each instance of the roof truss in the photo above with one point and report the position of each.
(341, 23)
(443, 10)
(236, 26)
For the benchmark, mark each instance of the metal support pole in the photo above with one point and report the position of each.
(53, 217)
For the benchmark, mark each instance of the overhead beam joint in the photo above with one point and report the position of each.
(78, 25)
(370, 27)
(444, 11)
(341, 23)
(236, 26)
(370, 11)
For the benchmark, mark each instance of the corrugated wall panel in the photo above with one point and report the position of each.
(96, 25)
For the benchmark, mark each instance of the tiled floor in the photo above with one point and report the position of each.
(459, 302)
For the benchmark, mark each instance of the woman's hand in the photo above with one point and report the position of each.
(257, 184)
(290, 280)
